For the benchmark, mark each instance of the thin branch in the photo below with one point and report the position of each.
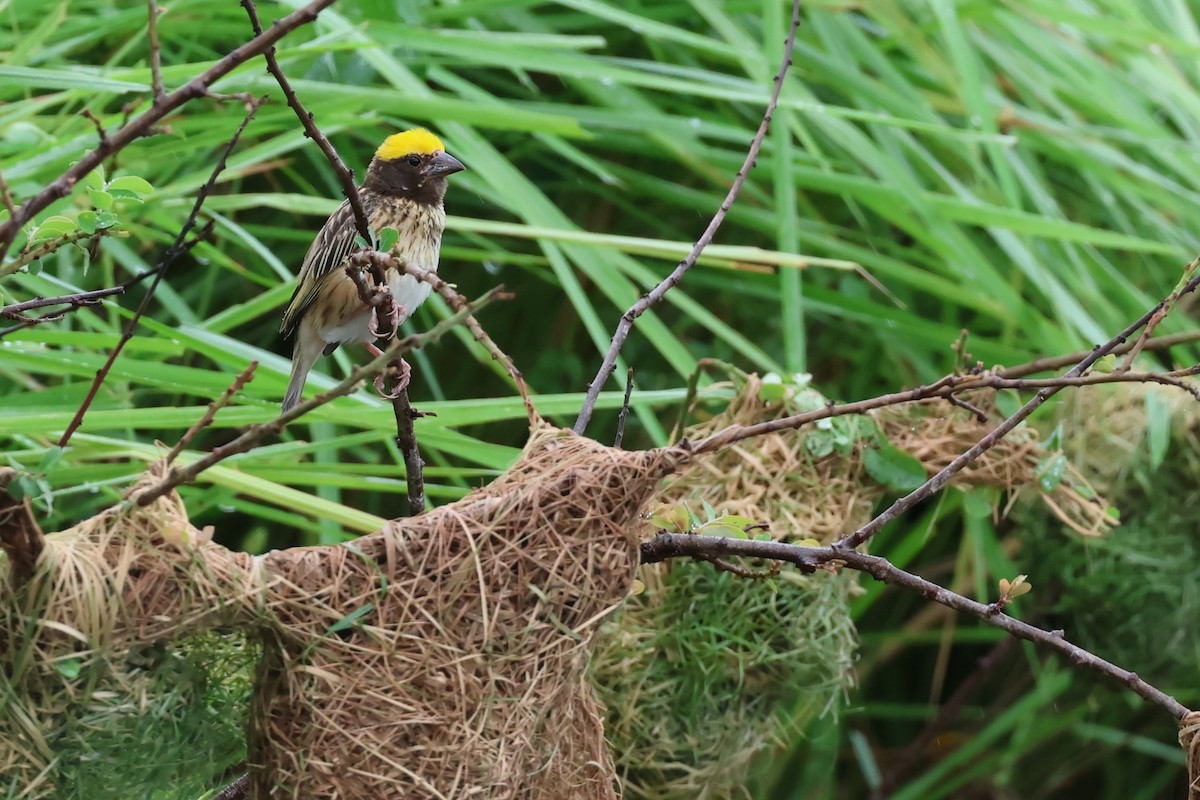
(809, 559)
(935, 483)
(624, 408)
(176, 249)
(406, 441)
(97, 123)
(345, 176)
(196, 87)
(1058, 362)
(244, 377)
(156, 80)
(254, 434)
(658, 292)
(118, 289)
(77, 300)
(1159, 315)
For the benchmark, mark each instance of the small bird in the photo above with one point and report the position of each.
(404, 188)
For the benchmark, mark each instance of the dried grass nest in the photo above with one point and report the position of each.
(442, 657)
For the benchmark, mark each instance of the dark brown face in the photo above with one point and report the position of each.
(421, 178)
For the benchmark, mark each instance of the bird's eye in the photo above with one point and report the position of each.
(414, 161)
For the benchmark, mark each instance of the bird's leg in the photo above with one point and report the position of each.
(401, 380)
(391, 313)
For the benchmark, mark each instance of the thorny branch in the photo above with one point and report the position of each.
(658, 292)
(197, 87)
(254, 434)
(173, 252)
(809, 559)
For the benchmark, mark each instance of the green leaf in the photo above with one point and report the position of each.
(351, 619)
(1050, 472)
(130, 183)
(88, 221)
(894, 468)
(57, 225)
(125, 194)
(388, 238)
(100, 199)
(1158, 427)
(69, 668)
(94, 180)
(51, 458)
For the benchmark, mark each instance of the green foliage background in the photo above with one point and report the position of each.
(1026, 169)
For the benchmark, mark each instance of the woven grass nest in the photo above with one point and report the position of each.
(442, 657)
(445, 656)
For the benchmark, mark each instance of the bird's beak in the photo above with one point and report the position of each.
(443, 164)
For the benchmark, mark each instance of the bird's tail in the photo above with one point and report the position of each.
(304, 355)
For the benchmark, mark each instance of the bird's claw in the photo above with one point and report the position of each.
(401, 382)
(386, 329)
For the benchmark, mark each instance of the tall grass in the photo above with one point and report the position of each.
(1025, 169)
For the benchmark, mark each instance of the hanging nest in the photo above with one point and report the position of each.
(440, 657)
(705, 674)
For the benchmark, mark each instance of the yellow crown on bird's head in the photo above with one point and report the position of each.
(417, 141)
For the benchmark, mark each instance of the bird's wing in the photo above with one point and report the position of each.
(327, 253)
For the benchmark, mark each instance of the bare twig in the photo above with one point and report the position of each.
(97, 123)
(254, 434)
(244, 377)
(742, 572)
(624, 408)
(809, 559)
(173, 252)
(197, 87)
(1058, 362)
(378, 296)
(1159, 316)
(156, 80)
(77, 300)
(658, 292)
(935, 483)
(345, 176)
(406, 441)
